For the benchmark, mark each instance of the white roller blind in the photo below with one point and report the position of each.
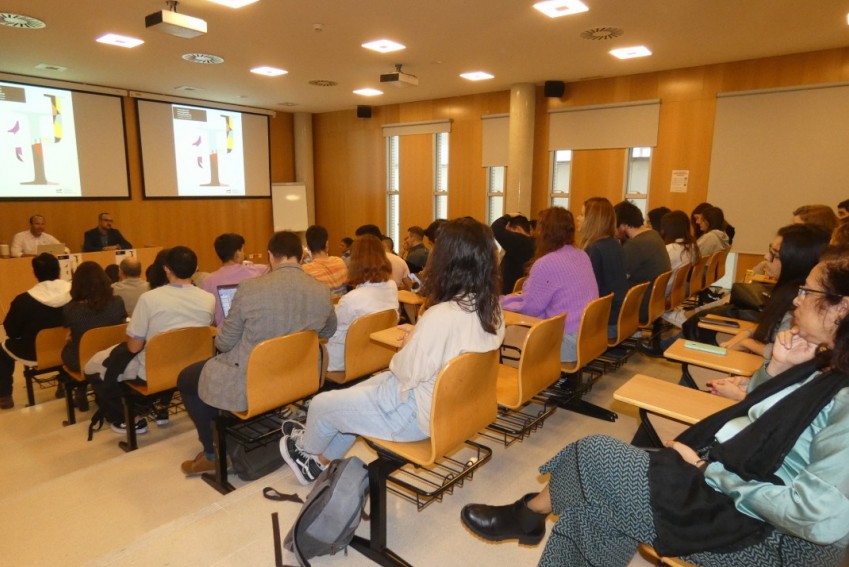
(496, 140)
(409, 128)
(774, 151)
(630, 125)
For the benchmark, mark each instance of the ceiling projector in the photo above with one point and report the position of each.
(399, 78)
(170, 22)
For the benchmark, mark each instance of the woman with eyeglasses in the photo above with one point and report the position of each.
(790, 257)
(764, 482)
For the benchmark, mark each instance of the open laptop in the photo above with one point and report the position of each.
(55, 249)
(225, 295)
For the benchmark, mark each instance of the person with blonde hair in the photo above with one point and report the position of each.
(821, 215)
(597, 227)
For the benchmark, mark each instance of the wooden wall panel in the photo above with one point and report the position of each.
(147, 222)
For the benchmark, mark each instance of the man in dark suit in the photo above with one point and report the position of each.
(104, 237)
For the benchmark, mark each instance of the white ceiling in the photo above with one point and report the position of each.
(506, 38)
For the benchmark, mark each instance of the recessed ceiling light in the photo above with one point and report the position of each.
(269, 71)
(119, 40)
(631, 52)
(477, 76)
(48, 67)
(368, 92)
(557, 8)
(384, 46)
(20, 21)
(233, 3)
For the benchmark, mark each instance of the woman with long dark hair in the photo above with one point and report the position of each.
(561, 279)
(714, 238)
(597, 227)
(764, 482)
(461, 296)
(373, 290)
(680, 243)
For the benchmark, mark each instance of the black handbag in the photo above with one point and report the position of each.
(751, 295)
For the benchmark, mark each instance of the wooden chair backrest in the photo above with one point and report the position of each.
(464, 401)
(678, 293)
(362, 355)
(539, 365)
(592, 331)
(657, 299)
(96, 340)
(697, 275)
(710, 270)
(48, 347)
(168, 353)
(629, 314)
(722, 257)
(520, 283)
(280, 371)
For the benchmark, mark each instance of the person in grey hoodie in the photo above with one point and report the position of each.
(713, 238)
(38, 308)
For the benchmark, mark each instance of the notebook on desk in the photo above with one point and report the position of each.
(55, 249)
(225, 295)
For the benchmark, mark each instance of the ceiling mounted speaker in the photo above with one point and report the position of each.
(554, 89)
(363, 111)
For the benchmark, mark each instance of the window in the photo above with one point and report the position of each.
(393, 209)
(561, 178)
(440, 176)
(495, 193)
(637, 177)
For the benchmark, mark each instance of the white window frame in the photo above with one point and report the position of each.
(440, 174)
(393, 189)
(638, 158)
(560, 198)
(496, 177)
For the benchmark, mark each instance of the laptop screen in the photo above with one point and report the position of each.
(225, 294)
(55, 249)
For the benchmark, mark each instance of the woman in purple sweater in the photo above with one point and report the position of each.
(561, 279)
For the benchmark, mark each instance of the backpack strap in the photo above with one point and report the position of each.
(96, 423)
(273, 494)
(278, 548)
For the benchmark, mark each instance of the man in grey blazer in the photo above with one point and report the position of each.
(281, 302)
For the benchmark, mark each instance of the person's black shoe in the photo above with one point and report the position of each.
(60, 390)
(513, 521)
(649, 349)
(81, 398)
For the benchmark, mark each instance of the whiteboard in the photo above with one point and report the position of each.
(289, 206)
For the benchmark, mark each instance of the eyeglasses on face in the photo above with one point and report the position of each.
(805, 291)
(773, 253)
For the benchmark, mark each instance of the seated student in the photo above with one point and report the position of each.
(597, 226)
(174, 306)
(461, 287)
(30, 312)
(155, 273)
(764, 482)
(656, 216)
(680, 244)
(345, 248)
(400, 270)
(513, 234)
(415, 251)
(130, 285)
(332, 271)
(279, 303)
(696, 219)
(93, 304)
(373, 290)
(840, 236)
(821, 215)
(714, 238)
(561, 279)
(645, 252)
(843, 210)
(230, 250)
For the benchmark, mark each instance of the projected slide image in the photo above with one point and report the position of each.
(38, 143)
(209, 152)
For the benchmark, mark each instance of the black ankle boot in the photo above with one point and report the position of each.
(513, 521)
(81, 397)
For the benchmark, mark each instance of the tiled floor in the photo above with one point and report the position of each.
(69, 502)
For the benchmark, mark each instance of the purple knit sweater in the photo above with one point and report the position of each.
(561, 281)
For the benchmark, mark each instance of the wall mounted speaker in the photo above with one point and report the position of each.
(554, 89)
(363, 111)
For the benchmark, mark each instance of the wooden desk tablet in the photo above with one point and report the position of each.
(409, 297)
(743, 325)
(670, 400)
(392, 336)
(513, 318)
(733, 362)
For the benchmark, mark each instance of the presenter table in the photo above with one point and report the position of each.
(16, 273)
